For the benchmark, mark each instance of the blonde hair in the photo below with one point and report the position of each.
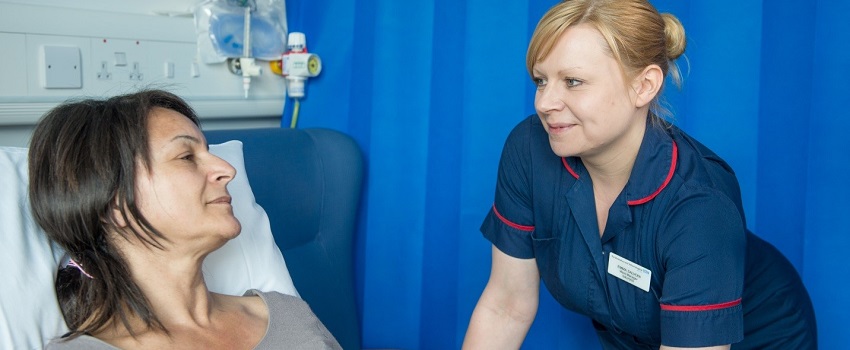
(637, 35)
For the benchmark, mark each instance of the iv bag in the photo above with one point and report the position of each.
(220, 27)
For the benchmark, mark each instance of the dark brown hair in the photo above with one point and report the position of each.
(82, 167)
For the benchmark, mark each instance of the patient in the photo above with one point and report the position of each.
(128, 188)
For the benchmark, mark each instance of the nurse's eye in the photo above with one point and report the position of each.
(539, 82)
(188, 157)
(572, 82)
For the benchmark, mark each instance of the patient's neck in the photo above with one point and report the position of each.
(173, 283)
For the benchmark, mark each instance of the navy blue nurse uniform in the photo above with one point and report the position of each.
(684, 271)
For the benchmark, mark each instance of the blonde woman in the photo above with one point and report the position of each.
(624, 217)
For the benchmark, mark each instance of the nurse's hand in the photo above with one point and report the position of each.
(507, 306)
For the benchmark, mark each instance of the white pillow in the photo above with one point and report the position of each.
(29, 312)
(252, 259)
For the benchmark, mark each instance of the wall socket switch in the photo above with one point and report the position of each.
(61, 67)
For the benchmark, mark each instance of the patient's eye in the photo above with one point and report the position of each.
(188, 157)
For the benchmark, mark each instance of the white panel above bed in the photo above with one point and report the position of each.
(120, 52)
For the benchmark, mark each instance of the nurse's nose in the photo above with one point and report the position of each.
(549, 99)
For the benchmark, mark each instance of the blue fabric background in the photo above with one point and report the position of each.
(430, 90)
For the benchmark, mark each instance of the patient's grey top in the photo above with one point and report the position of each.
(292, 325)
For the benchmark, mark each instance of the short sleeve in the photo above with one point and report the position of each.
(292, 324)
(703, 247)
(510, 221)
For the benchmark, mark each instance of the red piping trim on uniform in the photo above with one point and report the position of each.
(564, 160)
(511, 224)
(666, 181)
(701, 307)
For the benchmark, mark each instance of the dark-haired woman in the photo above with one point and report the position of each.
(128, 188)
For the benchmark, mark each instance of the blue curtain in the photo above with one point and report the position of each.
(430, 90)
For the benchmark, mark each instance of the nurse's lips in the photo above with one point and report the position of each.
(559, 128)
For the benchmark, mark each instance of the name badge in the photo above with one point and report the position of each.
(628, 271)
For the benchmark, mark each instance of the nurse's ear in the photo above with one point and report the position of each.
(647, 84)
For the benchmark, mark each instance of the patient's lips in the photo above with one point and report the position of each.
(221, 200)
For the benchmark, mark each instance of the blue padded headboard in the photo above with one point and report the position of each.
(309, 182)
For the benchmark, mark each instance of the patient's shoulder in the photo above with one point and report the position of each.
(279, 303)
(292, 324)
(79, 343)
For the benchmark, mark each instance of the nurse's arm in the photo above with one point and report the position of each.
(507, 306)
(719, 347)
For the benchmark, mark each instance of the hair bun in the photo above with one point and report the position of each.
(675, 36)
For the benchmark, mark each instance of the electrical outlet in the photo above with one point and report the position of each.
(103, 73)
(136, 72)
(117, 65)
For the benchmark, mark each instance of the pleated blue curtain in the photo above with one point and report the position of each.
(430, 90)
(826, 236)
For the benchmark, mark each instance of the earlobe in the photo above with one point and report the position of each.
(647, 85)
(117, 215)
(118, 218)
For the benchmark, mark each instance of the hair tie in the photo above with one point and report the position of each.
(73, 263)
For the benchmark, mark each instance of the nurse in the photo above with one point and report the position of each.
(625, 218)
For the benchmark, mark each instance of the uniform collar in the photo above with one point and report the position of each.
(654, 166)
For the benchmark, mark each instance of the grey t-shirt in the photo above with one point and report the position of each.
(292, 325)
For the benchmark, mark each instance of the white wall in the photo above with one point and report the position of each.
(150, 34)
(147, 7)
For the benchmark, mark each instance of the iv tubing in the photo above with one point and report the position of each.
(246, 34)
(295, 109)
